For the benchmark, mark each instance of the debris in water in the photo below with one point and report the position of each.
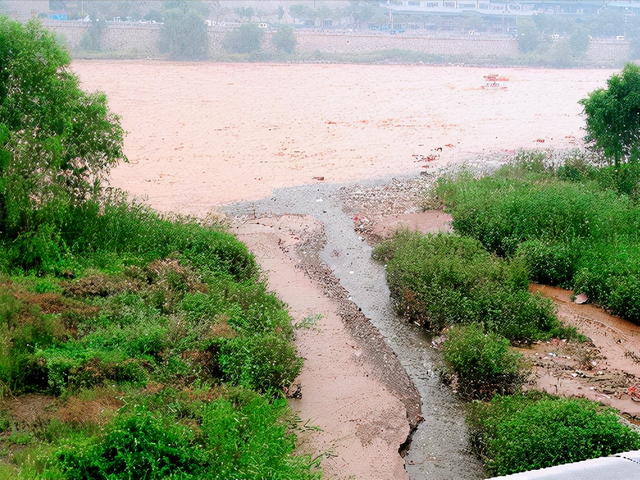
(580, 299)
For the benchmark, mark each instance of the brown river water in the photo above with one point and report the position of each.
(204, 134)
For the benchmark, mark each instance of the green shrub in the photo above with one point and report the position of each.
(183, 34)
(251, 437)
(263, 363)
(573, 224)
(483, 362)
(384, 251)
(285, 39)
(114, 230)
(550, 263)
(169, 435)
(245, 39)
(73, 367)
(536, 430)
(608, 274)
(441, 280)
(139, 444)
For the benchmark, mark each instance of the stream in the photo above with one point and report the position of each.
(439, 447)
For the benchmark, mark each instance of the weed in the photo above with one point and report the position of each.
(442, 280)
(483, 362)
(309, 322)
(569, 221)
(536, 430)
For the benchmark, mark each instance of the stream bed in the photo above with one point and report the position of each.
(439, 447)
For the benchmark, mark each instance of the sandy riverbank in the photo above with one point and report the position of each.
(361, 424)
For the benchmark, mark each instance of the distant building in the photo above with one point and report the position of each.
(506, 7)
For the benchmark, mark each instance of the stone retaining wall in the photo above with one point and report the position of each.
(472, 47)
(142, 41)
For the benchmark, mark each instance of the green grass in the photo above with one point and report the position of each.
(573, 224)
(165, 353)
(442, 280)
(536, 430)
(483, 362)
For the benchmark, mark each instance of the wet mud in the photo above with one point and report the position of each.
(601, 369)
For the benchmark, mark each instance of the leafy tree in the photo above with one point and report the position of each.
(302, 12)
(280, 12)
(246, 39)
(473, 21)
(91, 38)
(528, 36)
(579, 41)
(548, 24)
(184, 34)
(56, 142)
(609, 23)
(361, 12)
(285, 39)
(561, 53)
(185, 5)
(245, 13)
(153, 16)
(613, 116)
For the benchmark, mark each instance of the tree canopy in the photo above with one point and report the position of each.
(246, 39)
(285, 39)
(613, 116)
(57, 143)
(184, 34)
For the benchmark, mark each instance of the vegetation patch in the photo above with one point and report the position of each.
(443, 280)
(482, 362)
(572, 223)
(130, 344)
(536, 430)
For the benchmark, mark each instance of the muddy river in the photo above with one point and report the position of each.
(203, 134)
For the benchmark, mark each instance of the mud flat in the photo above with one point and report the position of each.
(601, 369)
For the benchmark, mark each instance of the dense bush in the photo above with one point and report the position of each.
(106, 232)
(146, 330)
(285, 39)
(183, 34)
(57, 142)
(535, 430)
(219, 440)
(574, 224)
(441, 280)
(246, 39)
(483, 362)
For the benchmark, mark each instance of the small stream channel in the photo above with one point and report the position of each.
(440, 446)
